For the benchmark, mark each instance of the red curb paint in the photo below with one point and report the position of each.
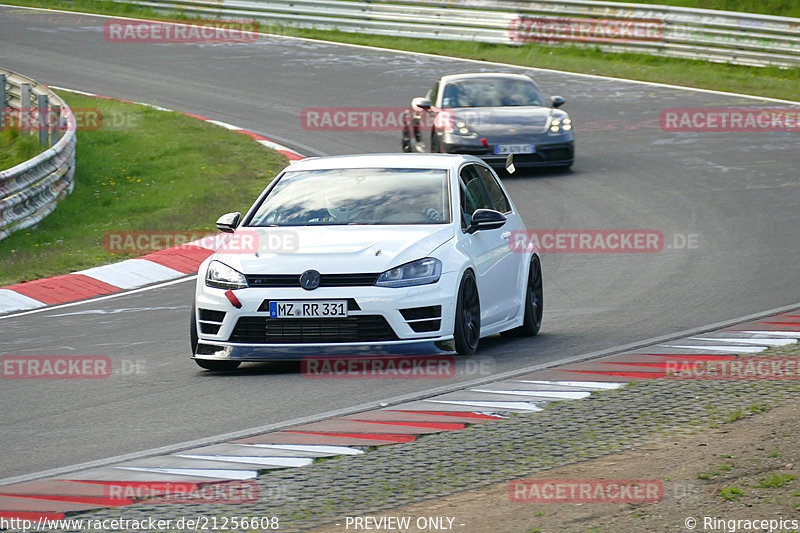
(364, 436)
(444, 426)
(253, 135)
(33, 516)
(85, 500)
(195, 116)
(454, 414)
(185, 259)
(151, 486)
(61, 289)
(636, 375)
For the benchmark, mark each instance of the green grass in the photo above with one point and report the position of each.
(775, 481)
(783, 8)
(768, 81)
(153, 170)
(17, 147)
(731, 494)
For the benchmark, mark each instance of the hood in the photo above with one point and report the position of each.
(500, 120)
(330, 249)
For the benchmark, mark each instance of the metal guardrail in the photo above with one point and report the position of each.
(29, 191)
(710, 35)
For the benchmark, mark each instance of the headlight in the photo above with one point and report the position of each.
(560, 125)
(222, 276)
(421, 272)
(461, 128)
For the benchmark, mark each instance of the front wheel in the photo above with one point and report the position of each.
(467, 330)
(534, 303)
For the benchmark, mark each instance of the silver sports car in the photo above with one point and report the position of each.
(491, 115)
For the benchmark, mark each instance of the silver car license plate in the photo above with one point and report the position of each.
(308, 309)
(514, 149)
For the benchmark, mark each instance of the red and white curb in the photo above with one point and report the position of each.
(164, 265)
(240, 460)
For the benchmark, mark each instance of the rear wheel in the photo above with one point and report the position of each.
(206, 363)
(467, 330)
(534, 303)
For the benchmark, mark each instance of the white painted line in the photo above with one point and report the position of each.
(760, 342)
(561, 395)
(13, 301)
(520, 406)
(314, 448)
(586, 384)
(224, 124)
(259, 460)
(196, 472)
(276, 146)
(131, 273)
(729, 349)
(794, 334)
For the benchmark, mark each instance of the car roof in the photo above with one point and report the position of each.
(390, 160)
(478, 75)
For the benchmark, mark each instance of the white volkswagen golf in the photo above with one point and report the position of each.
(367, 254)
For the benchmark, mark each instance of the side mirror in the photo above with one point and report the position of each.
(227, 223)
(421, 102)
(557, 101)
(483, 219)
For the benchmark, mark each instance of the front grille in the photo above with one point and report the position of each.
(416, 313)
(326, 280)
(557, 154)
(361, 328)
(422, 326)
(210, 321)
(420, 318)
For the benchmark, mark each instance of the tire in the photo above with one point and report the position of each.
(207, 363)
(534, 303)
(467, 329)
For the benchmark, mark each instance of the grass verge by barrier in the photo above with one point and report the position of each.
(140, 169)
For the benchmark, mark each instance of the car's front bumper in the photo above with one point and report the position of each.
(546, 155)
(379, 321)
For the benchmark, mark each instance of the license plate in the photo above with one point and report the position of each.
(308, 309)
(514, 149)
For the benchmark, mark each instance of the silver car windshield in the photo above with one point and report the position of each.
(362, 196)
(491, 92)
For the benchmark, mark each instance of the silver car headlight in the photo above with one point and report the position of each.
(560, 125)
(420, 272)
(222, 276)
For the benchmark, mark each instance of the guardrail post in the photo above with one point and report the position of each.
(54, 127)
(43, 118)
(3, 100)
(25, 107)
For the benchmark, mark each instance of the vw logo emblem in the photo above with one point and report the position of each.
(309, 280)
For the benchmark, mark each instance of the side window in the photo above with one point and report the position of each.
(496, 195)
(433, 93)
(472, 193)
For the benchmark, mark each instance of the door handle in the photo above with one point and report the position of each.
(505, 235)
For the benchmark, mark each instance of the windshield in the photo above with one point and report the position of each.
(356, 196)
(491, 92)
